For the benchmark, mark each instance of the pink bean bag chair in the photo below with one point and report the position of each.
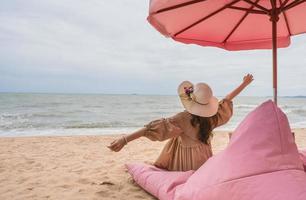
(261, 162)
(158, 182)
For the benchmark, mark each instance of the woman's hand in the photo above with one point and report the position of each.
(117, 144)
(247, 79)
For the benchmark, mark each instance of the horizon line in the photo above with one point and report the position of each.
(146, 94)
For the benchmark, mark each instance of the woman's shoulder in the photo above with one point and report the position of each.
(180, 117)
(225, 100)
(225, 105)
(184, 114)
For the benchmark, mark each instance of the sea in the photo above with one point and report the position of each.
(27, 114)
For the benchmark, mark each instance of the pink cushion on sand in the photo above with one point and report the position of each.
(158, 182)
(261, 162)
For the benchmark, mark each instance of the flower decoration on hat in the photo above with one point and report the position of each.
(188, 91)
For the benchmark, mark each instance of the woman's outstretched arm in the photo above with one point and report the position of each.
(157, 130)
(119, 143)
(246, 81)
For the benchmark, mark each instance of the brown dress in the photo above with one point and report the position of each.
(184, 151)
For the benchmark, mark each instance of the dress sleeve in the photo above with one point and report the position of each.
(163, 129)
(225, 112)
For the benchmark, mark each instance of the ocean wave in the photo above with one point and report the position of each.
(249, 106)
(301, 124)
(100, 125)
(46, 115)
(49, 114)
(9, 116)
(17, 116)
(301, 111)
(287, 107)
(64, 132)
(14, 126)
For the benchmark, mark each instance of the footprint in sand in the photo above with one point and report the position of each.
(107, 183)
(132, 181)
(65, 186)
(138, 196)
(78, 171)
(30, 161)
(103, 193)
(22, 180)
(84, 181)
(134, 189)
(111, 185)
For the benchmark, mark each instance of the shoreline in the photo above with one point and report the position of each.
(80, 167)
(218, 131)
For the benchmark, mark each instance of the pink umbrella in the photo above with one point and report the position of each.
(231, 24)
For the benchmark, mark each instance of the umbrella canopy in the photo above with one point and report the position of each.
(231, 24)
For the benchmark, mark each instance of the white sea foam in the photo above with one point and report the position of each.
(54, 114)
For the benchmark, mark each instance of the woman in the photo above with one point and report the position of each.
(190, 131)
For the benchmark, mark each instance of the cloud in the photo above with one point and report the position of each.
(108, 47)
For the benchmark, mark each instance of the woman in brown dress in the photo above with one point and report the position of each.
(190, 131)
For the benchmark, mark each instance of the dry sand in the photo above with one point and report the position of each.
(79, 167)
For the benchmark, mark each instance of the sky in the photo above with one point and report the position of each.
(101, 46)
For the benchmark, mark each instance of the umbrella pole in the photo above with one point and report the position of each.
(274, 31)
(274, 19)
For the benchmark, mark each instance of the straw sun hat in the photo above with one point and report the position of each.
(198, 99)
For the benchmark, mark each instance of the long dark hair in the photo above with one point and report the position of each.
(205, 125)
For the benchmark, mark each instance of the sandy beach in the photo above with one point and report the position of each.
(80, 167)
